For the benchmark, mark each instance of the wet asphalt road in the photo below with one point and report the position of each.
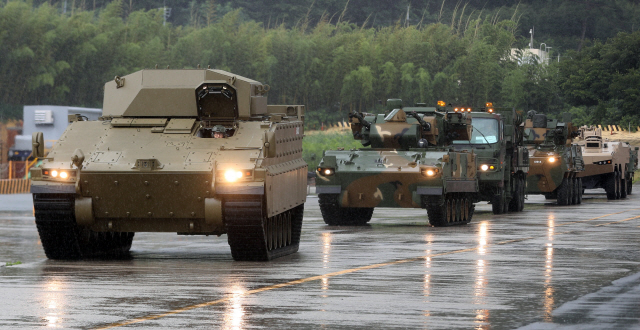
(550, 267)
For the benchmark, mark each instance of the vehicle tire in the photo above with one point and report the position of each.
(572, 187)
(576, 191)
(517, 199)
(611, 185)
(498, 203)
(564, 192)
(580, 190)
(617, 185)
(623, 186)
(335, 215)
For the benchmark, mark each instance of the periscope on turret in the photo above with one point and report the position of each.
(196, 152)
(409, 163)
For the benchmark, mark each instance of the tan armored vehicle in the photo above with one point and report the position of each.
(196, 152)
(608, 164)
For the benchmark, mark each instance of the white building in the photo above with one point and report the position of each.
(529, 54)
(51, 120)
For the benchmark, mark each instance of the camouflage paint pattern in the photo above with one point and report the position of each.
(496, 153)
(552, 156)
(393, 172)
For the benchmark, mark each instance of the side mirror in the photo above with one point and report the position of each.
(37, 145)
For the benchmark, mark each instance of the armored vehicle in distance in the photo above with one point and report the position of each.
(409, 165)
(196, 152)
(554, 162)
(608, 164)
(503, 160)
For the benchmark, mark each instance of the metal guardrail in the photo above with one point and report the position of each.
(15, 186)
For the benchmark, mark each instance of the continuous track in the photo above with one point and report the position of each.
(62, 238)
(254, 237)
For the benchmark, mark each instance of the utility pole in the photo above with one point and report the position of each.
(531, 33)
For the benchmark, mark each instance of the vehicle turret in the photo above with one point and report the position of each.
(407, 162)
(196, 152)
(554, 161)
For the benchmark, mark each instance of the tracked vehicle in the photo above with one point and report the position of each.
(498, 142)
(554, 162)
(608, 164)
(196, 152)
(410, 164)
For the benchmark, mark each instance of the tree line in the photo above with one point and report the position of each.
(332, 66)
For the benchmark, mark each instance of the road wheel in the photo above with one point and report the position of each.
(498, 203)
(564, 192)
(448, 210)
(611, 185)
(335, 215)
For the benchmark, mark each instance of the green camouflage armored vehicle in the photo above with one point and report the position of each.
(503, 160)
(410, 165)
(554, 162)
(195, 152)
(608, 164)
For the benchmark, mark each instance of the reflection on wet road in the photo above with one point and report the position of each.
(499, 272)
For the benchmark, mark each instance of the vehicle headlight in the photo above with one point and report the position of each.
(326, 171)
(232, 175)
(487, 167)
(552, 159)
(59, 174)
(429, 172)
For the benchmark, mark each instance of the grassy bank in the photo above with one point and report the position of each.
(315, 143)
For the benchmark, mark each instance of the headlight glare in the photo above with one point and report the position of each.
(64, 175)
(552, 159)
(484, 167)
(428, 172)
(54, 174)
(232, 175)
(326, 171)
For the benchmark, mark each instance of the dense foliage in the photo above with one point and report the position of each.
(333, 64)
(314, 145)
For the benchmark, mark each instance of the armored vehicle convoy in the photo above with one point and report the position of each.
(608, 164)
(554, 162)
(497, 140)
(409, 165)
(196, 152)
